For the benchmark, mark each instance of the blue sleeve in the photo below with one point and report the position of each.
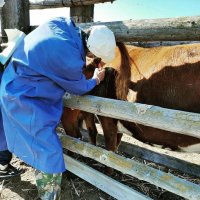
(56, 52)
(65, 68)
(81, 87)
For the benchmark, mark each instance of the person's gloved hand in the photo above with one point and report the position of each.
(99, 75)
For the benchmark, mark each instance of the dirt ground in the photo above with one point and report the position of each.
(74, 188)
(25, 189)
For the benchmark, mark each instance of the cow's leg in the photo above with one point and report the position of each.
(69, 121)
(109, 127)
(90, 125)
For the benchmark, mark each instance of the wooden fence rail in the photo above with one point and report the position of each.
(167, 119)
(161, 179)
(42, 4)
(176, 162)
(168, 29)
(171, 120)
(101, 181)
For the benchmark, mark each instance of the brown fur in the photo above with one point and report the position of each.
(168, 77)
(124, 75)
(69, 121)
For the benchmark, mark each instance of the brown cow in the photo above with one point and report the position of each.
(168, 77)
(70, 117)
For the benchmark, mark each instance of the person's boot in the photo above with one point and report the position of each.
(48, 185)
(8, 171)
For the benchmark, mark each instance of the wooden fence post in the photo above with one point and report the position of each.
(15, 14)
(82, 14)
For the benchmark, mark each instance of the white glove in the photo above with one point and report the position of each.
(99, 75)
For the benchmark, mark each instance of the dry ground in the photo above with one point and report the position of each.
(74, 188)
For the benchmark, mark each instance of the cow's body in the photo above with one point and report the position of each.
(166, 70)
(168, 77)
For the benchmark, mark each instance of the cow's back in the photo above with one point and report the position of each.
(168, 77)
(165, 76)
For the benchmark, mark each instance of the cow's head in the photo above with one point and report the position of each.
(92, 64)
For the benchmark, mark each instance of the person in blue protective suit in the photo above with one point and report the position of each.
(13, 38)
(46, 64)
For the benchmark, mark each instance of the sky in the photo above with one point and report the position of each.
(127, 9)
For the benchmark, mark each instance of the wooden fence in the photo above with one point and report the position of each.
(172, 120)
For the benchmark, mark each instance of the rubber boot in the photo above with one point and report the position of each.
(48, 185)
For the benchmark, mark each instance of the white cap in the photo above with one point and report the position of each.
(101, 42)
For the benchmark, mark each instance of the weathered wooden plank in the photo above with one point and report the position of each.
(15, 14)
(160, 43)
(101, 181)
(127, 166)
(147, 154)
(171, 120)
(42, 4)
(82, 14)
(168, 29)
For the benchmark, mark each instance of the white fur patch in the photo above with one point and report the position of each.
(131, 97)
(195, 148)
(161, 147)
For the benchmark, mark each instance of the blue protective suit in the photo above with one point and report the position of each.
(47, 63)
(3, 144)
